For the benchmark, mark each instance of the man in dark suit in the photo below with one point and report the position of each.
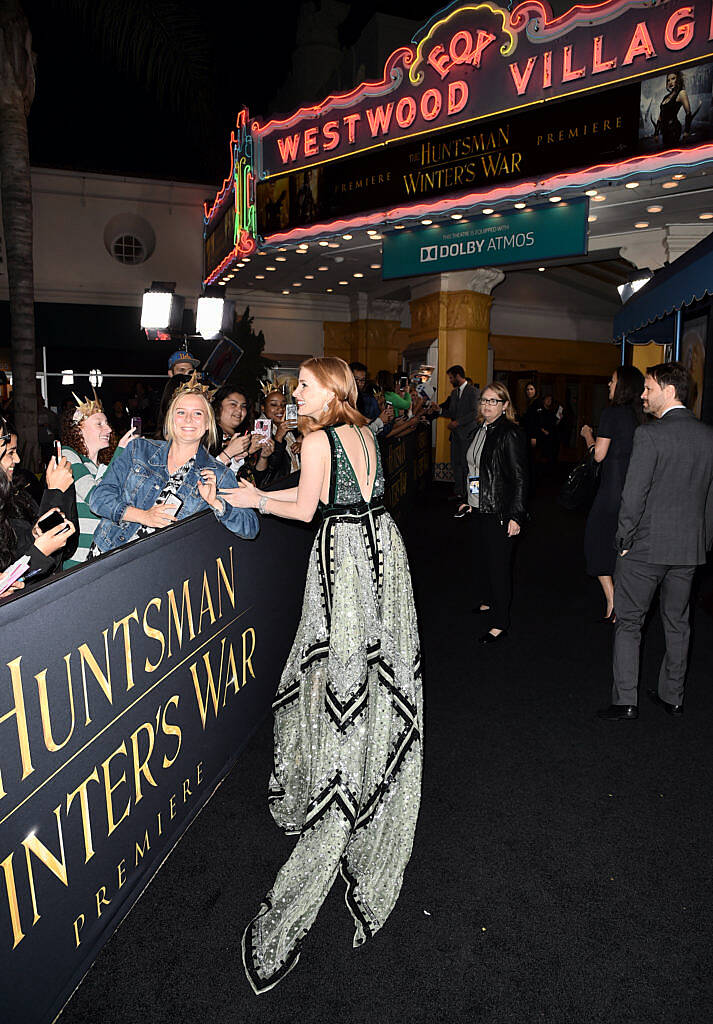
(665, 528)
(461, 407)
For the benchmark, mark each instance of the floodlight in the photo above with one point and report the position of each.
(96, 378)
(68, 377)
(630, 288)
(161, 309)
(214, 316)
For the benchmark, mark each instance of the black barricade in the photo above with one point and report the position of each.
(407, 465)
(127, 690)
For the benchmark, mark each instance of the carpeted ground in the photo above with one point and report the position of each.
(562, 865)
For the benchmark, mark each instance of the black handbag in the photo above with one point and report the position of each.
(579, 489)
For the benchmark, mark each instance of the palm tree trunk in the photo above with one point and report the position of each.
(17, 82)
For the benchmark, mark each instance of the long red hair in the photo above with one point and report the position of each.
(333, 373)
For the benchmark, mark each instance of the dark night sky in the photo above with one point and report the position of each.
(87, 115)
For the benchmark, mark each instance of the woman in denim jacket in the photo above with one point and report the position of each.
(153, 484)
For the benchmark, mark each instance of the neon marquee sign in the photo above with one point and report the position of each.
(477, 60)
(230, 226)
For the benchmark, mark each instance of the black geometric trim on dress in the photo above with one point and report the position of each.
(287, 695)
(335, 793)
(314, 653)
(257, 983)
(325, 562)
(352, 901)
(345, 714)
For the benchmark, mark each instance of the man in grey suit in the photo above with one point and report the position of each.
(462, 408)
(665, 528)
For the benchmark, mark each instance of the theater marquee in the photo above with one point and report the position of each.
(483, 99)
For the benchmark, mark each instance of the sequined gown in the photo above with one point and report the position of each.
(348, 712)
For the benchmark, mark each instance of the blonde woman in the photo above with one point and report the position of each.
(153, 484)
(347, 775)
(496, 457)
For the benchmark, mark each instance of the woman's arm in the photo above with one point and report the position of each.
(600, 445)
(517, 459)
(315, 465)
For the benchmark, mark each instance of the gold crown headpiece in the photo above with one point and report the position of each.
(267, 387)
(193, 386)
(86, 408)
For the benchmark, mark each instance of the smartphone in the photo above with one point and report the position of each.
(136, 424)
(291, 413)
(49, 521)
(263, 427)
(403, 382)
(57, 451)
(173, 505)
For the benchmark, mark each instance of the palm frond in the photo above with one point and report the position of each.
(159, 43)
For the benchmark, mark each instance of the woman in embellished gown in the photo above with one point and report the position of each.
(348, 708)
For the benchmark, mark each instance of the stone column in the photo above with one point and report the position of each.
(455, 308)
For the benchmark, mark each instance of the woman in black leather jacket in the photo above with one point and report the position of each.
(497, 485)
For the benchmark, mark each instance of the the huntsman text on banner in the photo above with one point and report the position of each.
(127, 690)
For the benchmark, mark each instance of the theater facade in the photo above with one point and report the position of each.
(503, 153)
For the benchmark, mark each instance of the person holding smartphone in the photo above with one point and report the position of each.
(152, 484)
(88, 445)
(285, 458)
(25, 529)
(246, 454)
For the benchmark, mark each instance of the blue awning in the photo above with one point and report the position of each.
(686, 280)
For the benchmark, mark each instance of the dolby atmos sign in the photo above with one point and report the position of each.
(523, 236)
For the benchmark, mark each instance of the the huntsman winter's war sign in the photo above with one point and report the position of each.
(523, 236)
(478, 60)
(127, 690)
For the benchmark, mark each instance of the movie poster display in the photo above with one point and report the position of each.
(677, 109)
(128, 688)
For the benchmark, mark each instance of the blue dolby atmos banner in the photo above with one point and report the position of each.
(523, 236)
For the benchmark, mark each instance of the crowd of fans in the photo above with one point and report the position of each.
(120, 473)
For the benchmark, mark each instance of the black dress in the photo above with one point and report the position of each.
(618, 422)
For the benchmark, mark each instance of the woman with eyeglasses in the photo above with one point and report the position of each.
(496, 459)
(612, 447)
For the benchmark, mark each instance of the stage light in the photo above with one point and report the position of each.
(68, 377)
(161, 308)
(96, 378)
(214, 316)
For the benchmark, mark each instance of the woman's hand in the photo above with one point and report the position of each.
(238, 446)
(245, 495)
(17, 585)
(282, 430)
(157, 517)
(513, 528)
(207, 488)
(266, 451)
(55, 538)
(588, 434)
(297, 446)
(59, 477)
(128, 436)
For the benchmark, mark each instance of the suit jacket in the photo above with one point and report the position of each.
(463, 408)
(666, 511)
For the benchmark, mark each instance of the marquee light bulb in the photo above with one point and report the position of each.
(599, 198)
(678, 177)
(591, 218)
(555, 199)
(632, 184)
(705, 216)
(520, 206)
(654, 209)
(670, 184)
(427, 221)
(541, 270)
(590, 192)
(324, 242)
(641, 224)
(348, 238)
(488, 210)
(456, 216)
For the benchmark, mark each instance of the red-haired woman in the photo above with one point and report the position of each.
(347, 774)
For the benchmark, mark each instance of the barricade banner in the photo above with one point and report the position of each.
(407, 465)
(128, 689)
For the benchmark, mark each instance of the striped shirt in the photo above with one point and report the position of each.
(86, 475)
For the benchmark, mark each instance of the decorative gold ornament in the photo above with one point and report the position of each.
(193, 386)
(86, 408)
